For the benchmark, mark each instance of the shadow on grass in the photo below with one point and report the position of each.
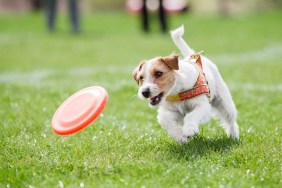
(201, 147)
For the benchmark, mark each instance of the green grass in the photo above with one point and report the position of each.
(126, 147)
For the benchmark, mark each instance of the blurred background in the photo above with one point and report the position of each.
(161, 9)
(197, 6)
(36, 35)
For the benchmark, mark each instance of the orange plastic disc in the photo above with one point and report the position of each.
(79, 110)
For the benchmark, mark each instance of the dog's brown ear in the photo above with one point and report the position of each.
(134, 74)
(171, 61)
(136, 70)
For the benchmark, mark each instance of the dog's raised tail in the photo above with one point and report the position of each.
(176, 36)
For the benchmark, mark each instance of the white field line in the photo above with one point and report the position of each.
(45, 78)
(255, 87)
(263, 55)
(24, 77)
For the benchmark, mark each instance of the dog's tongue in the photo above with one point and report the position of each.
(155, 100)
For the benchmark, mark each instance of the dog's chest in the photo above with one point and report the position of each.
(182, 107)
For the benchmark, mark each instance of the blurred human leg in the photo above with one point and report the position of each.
(50, 6)
(144, 17)
(74, 16)
(162, 17)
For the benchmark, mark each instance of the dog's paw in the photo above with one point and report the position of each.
(181, 139)
(190, 130)
(177, 135)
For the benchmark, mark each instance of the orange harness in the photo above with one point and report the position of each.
(200, 87)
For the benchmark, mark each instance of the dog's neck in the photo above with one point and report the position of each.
(185, 78)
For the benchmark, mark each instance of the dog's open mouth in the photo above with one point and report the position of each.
(156, 100)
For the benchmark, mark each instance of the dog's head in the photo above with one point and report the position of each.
(156, 77)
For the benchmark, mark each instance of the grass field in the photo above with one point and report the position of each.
(126, 147)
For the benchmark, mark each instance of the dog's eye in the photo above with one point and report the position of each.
(158, 74)
(140, 80)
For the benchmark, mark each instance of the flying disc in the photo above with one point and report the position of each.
(79, 110)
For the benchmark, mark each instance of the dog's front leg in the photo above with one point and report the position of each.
(170, 121)
(200, 114)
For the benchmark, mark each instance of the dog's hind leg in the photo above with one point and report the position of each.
(225, 111)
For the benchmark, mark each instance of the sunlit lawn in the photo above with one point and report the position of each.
(126, 147)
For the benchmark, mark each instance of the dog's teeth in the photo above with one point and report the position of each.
(156, 100)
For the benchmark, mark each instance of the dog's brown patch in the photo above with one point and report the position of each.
(171, 61)
(138, 73)
(167, 78)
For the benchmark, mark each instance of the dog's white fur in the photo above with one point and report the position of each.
(181, 119)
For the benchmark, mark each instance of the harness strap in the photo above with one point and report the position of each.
(200, 87)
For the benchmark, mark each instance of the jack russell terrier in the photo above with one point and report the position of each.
(186, 91)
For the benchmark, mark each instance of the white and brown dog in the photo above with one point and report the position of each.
(186, 92)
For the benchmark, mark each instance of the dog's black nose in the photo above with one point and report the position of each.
(146, 93)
